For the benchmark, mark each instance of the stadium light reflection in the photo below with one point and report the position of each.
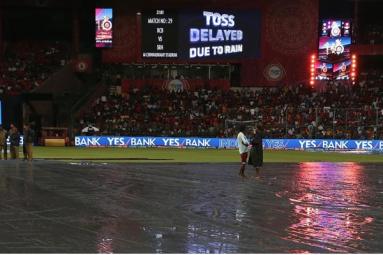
(326, 201)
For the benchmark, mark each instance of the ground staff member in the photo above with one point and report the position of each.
(256, 152)
(14, 138)
(29, 137)
(242, 147)
(3, 142)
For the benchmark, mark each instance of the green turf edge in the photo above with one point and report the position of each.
(195, 155)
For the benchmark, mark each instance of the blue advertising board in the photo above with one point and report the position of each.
(106, 141)
(323, 144)
(227, 143)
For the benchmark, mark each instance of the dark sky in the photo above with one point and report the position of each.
(369, 11)
(57, 23)
(336, 9)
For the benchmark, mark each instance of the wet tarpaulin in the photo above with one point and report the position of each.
(55, 207)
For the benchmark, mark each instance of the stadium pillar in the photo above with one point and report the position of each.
(209, 73)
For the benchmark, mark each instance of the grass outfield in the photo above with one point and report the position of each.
(168, 155)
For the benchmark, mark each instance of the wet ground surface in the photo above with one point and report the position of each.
(122, 208)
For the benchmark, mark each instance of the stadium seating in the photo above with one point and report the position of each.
(27, 64)
(298, 111)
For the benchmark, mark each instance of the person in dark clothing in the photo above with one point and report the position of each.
(29, 137)
(6, 145)
(14, 138)
(3, 142)
(256, 152)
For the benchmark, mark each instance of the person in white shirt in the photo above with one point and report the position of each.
(243, 150)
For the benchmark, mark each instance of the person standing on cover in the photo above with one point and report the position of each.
(14, 138)
(256, 152)
(3, 142)
(242, 146)
(29, 137)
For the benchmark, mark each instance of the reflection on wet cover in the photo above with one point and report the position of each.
(329, 206)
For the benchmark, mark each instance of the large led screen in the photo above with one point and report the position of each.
(104, 27)
(204, 34)
(334, 50)
(159, 34)
(342, 70)
(323, 70)
(336, 28)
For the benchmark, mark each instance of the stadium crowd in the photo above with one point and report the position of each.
(26, 65)
(338, 111)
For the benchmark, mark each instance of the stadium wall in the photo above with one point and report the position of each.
(289, 32)
(229, 143)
